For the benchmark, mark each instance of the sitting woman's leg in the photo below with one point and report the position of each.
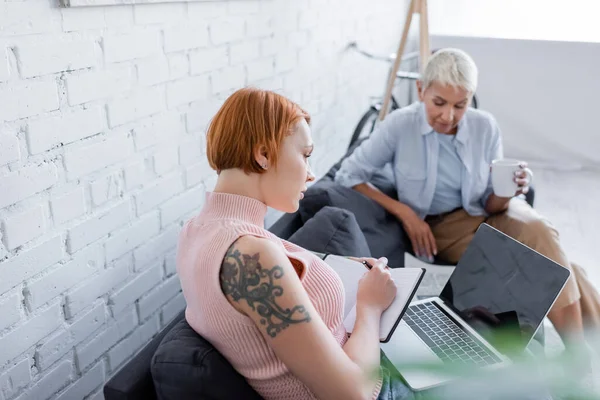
(453, 233)
(590, 305)
(579, 303)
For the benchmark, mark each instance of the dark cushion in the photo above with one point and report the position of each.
(133, 381)
(186, 366)
(332, 231)
(286, 225)
(383, 232)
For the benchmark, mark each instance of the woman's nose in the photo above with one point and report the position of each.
(309, 175)
(448, 115)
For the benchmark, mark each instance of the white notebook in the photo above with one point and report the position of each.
(407, 281)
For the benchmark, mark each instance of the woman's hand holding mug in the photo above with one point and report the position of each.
(510, 177)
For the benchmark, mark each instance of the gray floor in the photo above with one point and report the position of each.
(571, 200)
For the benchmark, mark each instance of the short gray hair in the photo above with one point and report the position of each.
(451, 67)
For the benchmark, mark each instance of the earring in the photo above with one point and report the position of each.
(264, 166)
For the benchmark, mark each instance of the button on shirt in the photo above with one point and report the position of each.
(406, 141)
(447, 196)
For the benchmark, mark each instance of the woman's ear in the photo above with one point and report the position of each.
(261, 156)
(420, 89)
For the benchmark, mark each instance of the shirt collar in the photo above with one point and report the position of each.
(462, 134)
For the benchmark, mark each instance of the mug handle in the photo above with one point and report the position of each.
(529, 176)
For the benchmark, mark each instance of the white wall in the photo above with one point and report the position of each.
(570, 21)
(544, 95)
(102, 114)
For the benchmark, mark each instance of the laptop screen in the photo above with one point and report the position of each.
(503, 289)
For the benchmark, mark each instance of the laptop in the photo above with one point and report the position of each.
(500, 289)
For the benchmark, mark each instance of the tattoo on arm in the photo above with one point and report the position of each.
(244, 278)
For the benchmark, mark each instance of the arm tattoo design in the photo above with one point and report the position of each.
(244, 278)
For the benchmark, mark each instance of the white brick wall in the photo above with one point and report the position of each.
(30, 262)
(153, 71)
(157, 129)
(181, 39)
(4, 71)
(95, 348)
(67, 206)
(9, 149)
(65, 276)
(18, 185)
(98, 226)
(76, 20)
(53, 381)
(15, 378)
(122, 47)
(106, 188)
(23, 226)
(86, 384)
(95, 85)
(96, 286)
(205, 60)
(126, 239)
(9, 311)
(36, 59)
(28, 99)
(102, 156)
(159, 296)
(46, 133)
(164, 189)
(60, 343)
(141, 103)
(29, 333)
(178, 66)
(134, 289)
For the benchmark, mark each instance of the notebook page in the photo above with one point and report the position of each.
(405, 279)
(350, 273)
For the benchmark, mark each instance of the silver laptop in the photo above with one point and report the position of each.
(500, 289)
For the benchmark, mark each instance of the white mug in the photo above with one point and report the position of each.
(503, 176)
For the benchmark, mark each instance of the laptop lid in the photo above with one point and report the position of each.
(503, 289)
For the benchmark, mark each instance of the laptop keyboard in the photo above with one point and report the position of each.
(447, 340)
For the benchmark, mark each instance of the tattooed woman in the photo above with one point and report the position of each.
(273, 309)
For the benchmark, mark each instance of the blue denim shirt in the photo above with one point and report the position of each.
(408, 142)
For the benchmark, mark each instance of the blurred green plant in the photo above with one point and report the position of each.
(569, 375)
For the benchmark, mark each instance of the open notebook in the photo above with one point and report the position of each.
(407, 281)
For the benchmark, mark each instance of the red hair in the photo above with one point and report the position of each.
(250, 118)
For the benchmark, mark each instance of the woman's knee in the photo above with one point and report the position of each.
(538, 230)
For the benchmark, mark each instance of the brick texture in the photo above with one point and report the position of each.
(103, 157)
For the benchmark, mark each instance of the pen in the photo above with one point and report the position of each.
(366, 264)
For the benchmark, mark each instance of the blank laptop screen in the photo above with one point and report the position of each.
(503, 289)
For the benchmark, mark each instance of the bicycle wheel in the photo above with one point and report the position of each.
(365, 126)
(474, 102)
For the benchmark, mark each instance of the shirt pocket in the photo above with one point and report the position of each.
(412, 171)
(410, 182)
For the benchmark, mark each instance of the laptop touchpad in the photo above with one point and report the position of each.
(406, 347)
(411, 356)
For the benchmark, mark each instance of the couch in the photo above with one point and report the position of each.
(179, 364)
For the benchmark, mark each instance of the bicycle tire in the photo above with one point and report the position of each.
(370, 116)
(474, 102)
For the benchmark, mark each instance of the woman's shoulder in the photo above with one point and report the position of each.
(214, 233)
(481, 118)
(259, 244)
(406, 114)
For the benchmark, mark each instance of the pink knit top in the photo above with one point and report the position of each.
(203, 243)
